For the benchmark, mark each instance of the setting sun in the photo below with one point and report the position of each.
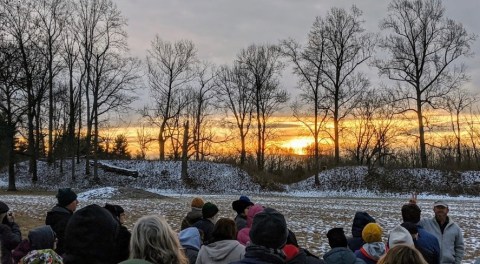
(298, 145)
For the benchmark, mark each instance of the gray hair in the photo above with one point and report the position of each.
(154, 240)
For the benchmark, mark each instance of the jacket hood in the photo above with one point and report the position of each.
(41, 237)
(340, 255)
(374, 250)
(221, 249)
(360, 220)
(195, 213)
(190, 237)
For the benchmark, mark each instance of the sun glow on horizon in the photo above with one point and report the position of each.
(298, 145)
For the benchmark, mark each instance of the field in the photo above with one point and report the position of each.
(309, 217)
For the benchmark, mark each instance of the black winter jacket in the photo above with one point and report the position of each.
(58, 218)
(10, 237)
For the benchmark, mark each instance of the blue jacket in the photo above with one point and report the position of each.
(341, 255)
(428, 245)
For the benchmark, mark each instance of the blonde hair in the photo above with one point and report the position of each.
(402, 254)
(154, 240)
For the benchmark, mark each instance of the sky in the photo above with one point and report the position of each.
(221, 28)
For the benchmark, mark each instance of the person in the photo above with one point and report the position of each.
(360, 220)
(206, 224)
(41, 237)
(10, 235)
(123, 238)
(402, 254)
(373, 248)
(90, 236)
(243, 235)
(241, 206)
(195, 213)
(447, 232)
(60, 214)
(223, 248)
(339, 253)
(154, 240)
(42, 256)
(425, 242)
(295, 254)
(268, 235)
(399, 235)
(191, 242)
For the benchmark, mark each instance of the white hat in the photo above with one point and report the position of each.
(399, 236)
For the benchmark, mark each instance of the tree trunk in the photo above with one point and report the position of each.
(184, 174)
(11, 155)
(421, 132)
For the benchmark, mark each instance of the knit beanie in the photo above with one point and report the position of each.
(197, 202)
(209, 210)
(269, 229)
(336, 238)
(399, 236)
(65, 196)
(91, 234)
(3, 208)
(372, 233)
(240, 204)
(42, 256)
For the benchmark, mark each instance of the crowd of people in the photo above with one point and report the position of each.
(257, 234)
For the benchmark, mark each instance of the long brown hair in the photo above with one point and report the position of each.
(402, 254)
(224, 229)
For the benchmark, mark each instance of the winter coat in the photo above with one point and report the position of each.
(341, 255)
(304, 257)
(191, 243)
(58, 218)
(10, 237)
(206, 226)
(41, 237)
(360, 220)
(261, 255)
(221, 252)
(240, 221)
(371, 252)
(428, 245)
(452, 247)
(123, 244)
(243, 235)
(191, 218)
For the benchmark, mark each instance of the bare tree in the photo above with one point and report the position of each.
(144, 138)
(347, 47)
(422, 46)
(308, 65)
(456, 103)
(237, 98)
(170, 70)
(263, 67)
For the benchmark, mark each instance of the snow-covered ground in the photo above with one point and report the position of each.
(310, 211)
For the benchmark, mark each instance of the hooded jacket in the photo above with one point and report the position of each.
(341, 255)
(191, 218)
(428, 245)
(41, 237)
(58, 218)
(191, 243)
(360, 220)
(221, 252)
(243, 235)
(452, 247)
(371, 252)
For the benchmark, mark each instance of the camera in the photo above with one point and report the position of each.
(10, 213)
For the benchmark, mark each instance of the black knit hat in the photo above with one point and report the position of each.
(209, 210)
(269, 229)
(336, 238)
(65, 196)
(240, 204)
(91, 234)
(3, 208)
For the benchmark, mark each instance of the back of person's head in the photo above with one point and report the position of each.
(42, 237)
(224, 229)
(209, 210)
(115, 210)
(399, 236)
(90, 236)
(360, 220)
(269, 229)
(197, 202)
(402, 254)
(42, 256)
(154, 240)
(65, 196)
(372, 232)
(190, 237)
(336, 238)
(411, 213)
(411, 227)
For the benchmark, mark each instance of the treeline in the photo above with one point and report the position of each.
(65, 72)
